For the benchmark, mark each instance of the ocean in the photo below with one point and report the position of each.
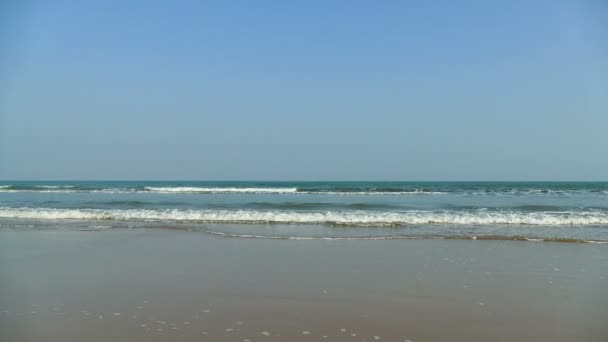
(532, 211)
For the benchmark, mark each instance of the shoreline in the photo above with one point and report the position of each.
(55, 285)
(41, 226)
(405, 237)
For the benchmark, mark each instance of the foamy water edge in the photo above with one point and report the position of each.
(346, 217)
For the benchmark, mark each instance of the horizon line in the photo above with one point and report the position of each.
(289, 180)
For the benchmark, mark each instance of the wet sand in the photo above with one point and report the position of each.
(163, 285)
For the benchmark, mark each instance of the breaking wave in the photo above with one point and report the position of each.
(346, 217)
(299, 188)
(214, 190)
(190, 189)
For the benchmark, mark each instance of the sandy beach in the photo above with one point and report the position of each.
(165, 285)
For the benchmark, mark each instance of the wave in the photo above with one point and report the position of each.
(219, 190)
(370, 191)
(209, 190)
(290, 190)
(373, 192)
(38, 188)
(346, 218)
(314, 206)
(304, 189)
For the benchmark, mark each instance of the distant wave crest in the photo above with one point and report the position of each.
(215, 190)
(190, 189)
(303, 189)
(38, 188)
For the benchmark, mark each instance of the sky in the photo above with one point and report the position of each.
(304, 90)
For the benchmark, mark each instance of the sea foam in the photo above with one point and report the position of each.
(346, 217)
(191, 189)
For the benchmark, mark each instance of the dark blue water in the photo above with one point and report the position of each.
(513, 210)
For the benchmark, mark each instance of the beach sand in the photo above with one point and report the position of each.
(166, 285)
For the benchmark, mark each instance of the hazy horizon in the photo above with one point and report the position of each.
(442, 91)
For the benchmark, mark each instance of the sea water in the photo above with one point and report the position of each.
(535, 211)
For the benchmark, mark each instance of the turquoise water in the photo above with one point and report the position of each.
(497, 210)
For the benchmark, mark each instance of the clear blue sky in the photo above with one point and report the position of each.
(306, 90)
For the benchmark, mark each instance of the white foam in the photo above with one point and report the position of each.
(211, 190)
(350, 217)
(191, 189)
(267, 237)
(534, 239)
(370, 193)
(203, 190)
(293, 190)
